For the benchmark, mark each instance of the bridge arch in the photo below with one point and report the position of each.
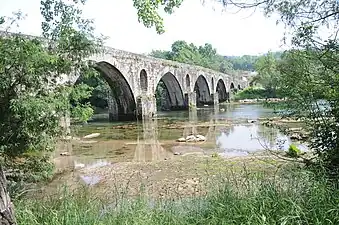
(143, 80)
(122, 105)
(221, 90)
(188, 82)
(171, 96)
(202, 91)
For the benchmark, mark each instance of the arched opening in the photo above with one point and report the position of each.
(169, 95)
(221, 90)
(188, 82)
(143, 80)
(239, 87)
(212, 85)
(233, 89)
(202, 91)
(121, 102)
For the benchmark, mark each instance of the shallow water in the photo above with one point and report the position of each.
(228, 130)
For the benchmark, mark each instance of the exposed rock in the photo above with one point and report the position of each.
(87, 142)
(200, 137)
(190, 138)
(78, 165)
(94, 135)
(64, 154)
(181, 139)
(296, 136)
(183, 150)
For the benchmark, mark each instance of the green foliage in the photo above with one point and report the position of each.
(32, 99)
(205, 56)
(100, 90)
(245, 62)
(309, 80)
(268, 74)
(293, 198)
(252, 93)
(293, 151)
(148, 12)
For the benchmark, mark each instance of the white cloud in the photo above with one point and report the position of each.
(231, 34)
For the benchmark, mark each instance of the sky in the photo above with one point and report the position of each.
(242, 33)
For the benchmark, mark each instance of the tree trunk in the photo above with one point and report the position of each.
(6, 207)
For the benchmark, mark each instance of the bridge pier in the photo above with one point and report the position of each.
(113, 112)
(146, 106)
(215, 97)
(192, 100)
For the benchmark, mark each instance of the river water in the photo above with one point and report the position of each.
(230, 130)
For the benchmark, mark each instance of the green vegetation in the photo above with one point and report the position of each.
(30, 110)
(205, 56)
(251, 93)
(247, 62)
(293, 151)
(293, 197)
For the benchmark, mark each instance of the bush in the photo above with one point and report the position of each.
(293, 151)
(251, 93)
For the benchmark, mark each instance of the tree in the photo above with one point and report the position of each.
(32, 101)
(205, 56)
(268, 74)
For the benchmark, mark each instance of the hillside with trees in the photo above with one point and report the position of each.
(207, 56)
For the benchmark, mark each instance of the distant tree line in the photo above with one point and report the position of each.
(207, 56)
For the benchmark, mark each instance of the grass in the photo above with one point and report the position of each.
(293, 196)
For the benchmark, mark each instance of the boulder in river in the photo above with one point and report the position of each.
(94, 135)
(181, 139)
(64, 154)
(200, 137)
(190, 138)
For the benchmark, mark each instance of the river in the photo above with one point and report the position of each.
(229, 129)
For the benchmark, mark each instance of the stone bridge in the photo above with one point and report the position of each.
(133, 79)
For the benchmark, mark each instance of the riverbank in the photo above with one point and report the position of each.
(239, 192)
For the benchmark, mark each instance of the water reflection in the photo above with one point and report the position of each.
(241, 139)
(149, 148)
(225, 129)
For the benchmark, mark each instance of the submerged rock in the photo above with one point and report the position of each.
(94, 135)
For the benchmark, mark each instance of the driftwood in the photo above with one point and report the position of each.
(7, 216)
